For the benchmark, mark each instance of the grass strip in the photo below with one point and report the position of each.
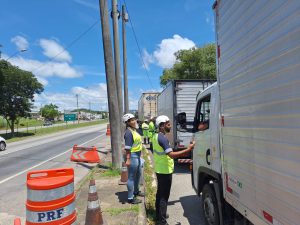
(49, 130)
(150, 190)
(118, 211)
(106, 170)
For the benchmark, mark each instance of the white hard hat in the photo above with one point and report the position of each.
(127, 117)
(161, 119)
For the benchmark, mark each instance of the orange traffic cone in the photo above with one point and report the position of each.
(108, 144)
(17, 221)
(93, 212)
(108, 130)
(124, 174)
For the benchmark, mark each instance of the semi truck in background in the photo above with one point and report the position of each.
(180, 96)
(246, 161)
(147, 106)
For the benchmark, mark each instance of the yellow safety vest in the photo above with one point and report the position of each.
(145, 126)
(163, 164)
(137, 141)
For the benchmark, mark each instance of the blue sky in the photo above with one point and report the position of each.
(63, 44)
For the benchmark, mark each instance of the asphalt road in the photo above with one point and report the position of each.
(47, 152)
(184, 205)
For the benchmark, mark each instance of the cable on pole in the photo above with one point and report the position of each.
(137, 43)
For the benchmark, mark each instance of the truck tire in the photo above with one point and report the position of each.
(210, 205)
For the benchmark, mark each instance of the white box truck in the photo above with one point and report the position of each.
(246, 164)
(180, 96)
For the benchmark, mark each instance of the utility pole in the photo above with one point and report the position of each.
(115, 15)
(77, 109)
(124, 20)
(114, 112)
(90, 109)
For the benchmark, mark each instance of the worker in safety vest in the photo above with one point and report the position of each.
(151, 131)
(163, 156)
(133, 147)
(145, 128)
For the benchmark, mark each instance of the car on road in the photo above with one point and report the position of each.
(2, 144)
(47, 123)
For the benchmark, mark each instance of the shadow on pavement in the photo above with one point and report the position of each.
(192, 209)
(181, 168)
(103, 152)
(122, 197)
(85, 165)
(8, 136)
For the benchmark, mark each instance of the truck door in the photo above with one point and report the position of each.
(202, 150)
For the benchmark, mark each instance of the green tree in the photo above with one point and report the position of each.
(17, 89)
(195, 63)
(50, 111)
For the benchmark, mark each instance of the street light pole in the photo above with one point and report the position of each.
(124, 20)
(114, 112)
(115, 15)
(77, 109)
(90, 109)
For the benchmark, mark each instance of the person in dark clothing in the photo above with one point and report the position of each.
(163, 156)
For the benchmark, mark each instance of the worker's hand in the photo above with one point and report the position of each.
(127, 162)
(192, 145)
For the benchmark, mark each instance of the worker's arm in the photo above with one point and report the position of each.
(177, 154)
(127, 162)
(128, 144)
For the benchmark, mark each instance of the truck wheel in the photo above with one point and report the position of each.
(210, 205)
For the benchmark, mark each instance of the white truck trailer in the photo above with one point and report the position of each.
(246, 164)
(180, 96)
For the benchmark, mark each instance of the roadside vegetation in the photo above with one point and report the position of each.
(24, 123)
(150, 188)
(117, 211)
(105, 170)
(49, 130)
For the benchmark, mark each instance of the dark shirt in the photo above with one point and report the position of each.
(128, 139)
(164, 143)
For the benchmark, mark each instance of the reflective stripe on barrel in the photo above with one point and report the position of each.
(51, 197)
(51, 215)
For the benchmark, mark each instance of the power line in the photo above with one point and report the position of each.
(71, 43)
(137, 43)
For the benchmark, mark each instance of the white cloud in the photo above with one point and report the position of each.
(46, 69)
(20, 42)
(54, 50)
(96, 95)
(147, 59)
(164, 56)
(133, 103)
(87, 4)
(43, 81)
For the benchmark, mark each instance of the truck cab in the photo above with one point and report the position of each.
(206, 154)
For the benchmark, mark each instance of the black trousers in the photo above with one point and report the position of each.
(164, 182)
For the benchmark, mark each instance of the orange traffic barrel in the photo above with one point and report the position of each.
(17, 221)
(108, 130)
(50, 197)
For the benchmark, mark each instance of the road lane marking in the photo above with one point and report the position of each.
(24, 171)
(55, 138)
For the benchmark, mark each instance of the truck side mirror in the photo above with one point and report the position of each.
(181, 118)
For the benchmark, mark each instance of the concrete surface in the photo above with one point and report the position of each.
(46, 152)
(112, 196)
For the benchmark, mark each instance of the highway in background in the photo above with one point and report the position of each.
(46, 152)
